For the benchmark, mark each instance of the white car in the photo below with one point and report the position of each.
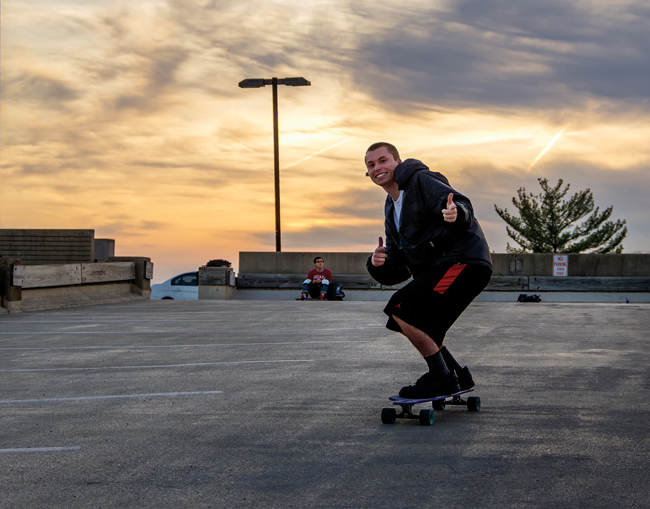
(181, 287)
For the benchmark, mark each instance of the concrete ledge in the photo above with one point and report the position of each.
(251, 280)
(78, 295)
(91, 300)
(67, 292)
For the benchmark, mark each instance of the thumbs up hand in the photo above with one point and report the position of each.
(451, 212)
(379, 256)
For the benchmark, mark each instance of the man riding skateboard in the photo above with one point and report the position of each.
(433, 236)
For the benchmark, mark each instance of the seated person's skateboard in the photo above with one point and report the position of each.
(426, 417)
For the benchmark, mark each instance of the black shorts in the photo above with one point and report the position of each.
(435, 299)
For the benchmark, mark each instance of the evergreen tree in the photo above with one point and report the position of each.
(547, 222)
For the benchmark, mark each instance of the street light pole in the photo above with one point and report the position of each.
(258, 83)
(276, 166)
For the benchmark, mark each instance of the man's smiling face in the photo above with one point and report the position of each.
(381, 167)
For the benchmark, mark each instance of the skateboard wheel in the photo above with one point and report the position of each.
(438, 405)
(388, 415)
(473, 404)
(426, 417)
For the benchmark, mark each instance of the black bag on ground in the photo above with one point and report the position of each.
(529, 298)
(335, 291)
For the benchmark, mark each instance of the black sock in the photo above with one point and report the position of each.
(437, 364)
(449, 359)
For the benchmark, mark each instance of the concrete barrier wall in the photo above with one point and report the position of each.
(591, 278)
(104, 249)
(580, 265)
(42, 247)
(297, 263)
(34, 287)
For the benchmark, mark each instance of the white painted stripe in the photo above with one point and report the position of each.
(68, 332)
(167, 311)
(118, 321)
(40, 449)
(121, 396)
(239, 331)
(150, 367)
(130, 347)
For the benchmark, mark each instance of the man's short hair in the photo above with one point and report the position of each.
(392, 150)
(319, 258)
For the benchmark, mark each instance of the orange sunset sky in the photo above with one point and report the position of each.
(125, 117)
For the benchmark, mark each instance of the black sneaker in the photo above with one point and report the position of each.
(429, 386)
(465, 379)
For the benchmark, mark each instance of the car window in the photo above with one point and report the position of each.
(189, 279)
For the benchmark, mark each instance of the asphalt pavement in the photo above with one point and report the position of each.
(273, 404)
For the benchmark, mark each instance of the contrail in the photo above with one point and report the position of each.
(546, 149)
(319, 152)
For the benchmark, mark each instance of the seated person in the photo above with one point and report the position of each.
(317, 282)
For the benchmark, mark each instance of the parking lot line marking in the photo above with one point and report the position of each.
(117, 321)
(131, 347)
(196, 364)
(40, 449)
(167, 312)
(276, 331)
(120, 396)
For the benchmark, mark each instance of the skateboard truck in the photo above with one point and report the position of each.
(390, 415)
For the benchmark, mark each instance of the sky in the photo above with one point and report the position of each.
(126, 118)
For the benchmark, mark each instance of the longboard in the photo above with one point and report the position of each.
(426, 417)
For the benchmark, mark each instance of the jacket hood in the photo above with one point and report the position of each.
(409, 167)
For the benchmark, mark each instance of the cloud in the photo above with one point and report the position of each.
(349, 238)
(126, 226)
(509, 55)
(356, 203)
(47, 91)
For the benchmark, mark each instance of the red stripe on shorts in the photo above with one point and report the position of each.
(449, 277)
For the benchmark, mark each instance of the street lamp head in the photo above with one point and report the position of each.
(296, 82)
(261, 82)
(252, 83)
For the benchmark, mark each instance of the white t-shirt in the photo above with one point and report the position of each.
(397, 211)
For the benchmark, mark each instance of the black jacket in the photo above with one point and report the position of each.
(425, 239)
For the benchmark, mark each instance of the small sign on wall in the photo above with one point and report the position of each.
(560, 265)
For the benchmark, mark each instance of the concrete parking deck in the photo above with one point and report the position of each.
(277, 404)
